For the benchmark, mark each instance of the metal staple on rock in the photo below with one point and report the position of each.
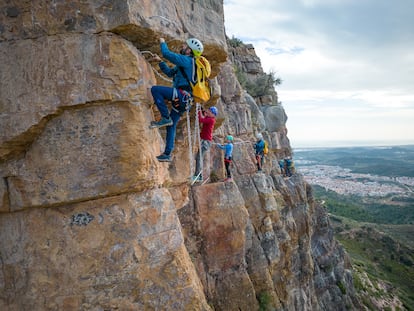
(166, 19)
(154, 69)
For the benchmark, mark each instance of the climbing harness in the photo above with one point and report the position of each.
(184, 104)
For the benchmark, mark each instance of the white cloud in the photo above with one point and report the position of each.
(336, 58)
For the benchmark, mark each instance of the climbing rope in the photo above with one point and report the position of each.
(190, 145)
(197, 132)
(197, 138)
(154, 69)
(207, 175)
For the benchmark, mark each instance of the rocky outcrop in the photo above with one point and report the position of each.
(122, 252)
(89, 220)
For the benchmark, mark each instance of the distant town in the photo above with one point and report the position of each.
(343, 181)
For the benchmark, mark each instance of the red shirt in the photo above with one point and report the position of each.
(208, 127)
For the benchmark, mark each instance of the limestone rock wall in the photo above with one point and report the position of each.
(264, 243)
(89, 220)
(122, 252)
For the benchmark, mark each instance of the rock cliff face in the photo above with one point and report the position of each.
(90, 220)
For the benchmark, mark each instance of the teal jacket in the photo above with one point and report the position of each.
(187, 64)
(228, 150)
(259, 147)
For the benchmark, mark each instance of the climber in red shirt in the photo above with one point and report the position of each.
(207, 119)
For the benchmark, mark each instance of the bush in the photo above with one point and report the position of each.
(235, 42)
(264, 301)
(341, 287)
(262, 85)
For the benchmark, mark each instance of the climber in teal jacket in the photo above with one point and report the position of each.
(228, 155)
(259, 151)
(179, 94)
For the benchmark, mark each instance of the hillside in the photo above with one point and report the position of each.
(376, 230)
(384, 160)
(383, 262)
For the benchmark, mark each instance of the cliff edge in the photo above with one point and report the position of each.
(90, 220)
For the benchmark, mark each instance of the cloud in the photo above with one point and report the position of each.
(334, 57)
(351, 36)
(373, 99)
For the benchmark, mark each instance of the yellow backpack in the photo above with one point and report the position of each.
(266, 148)
(202, 89)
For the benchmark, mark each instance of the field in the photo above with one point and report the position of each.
(385, 161)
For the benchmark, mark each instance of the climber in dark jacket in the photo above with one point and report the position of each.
(179, 94)
(259, 151)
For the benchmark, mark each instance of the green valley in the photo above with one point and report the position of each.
(369, 194)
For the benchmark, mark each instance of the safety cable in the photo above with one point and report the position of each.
(197, 138)
(197, 130)
(237, 143)
(154, 69)
(190, 145)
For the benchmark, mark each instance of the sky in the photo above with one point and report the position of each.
(347, 66)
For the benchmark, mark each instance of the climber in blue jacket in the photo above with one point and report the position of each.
(179, 94)
(228, 155)
(259, 151)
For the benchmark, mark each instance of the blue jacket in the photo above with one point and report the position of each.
(228, 150)
(259, 147)
(185, 62)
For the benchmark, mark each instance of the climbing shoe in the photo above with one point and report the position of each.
(163, 122)
(197, 179)
(164, 158)
(229, 179)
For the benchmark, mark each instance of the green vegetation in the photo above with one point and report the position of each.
(379, 241)
(384, 260)
(262, 84)
(367, 209)
(375, 231)
(387, 161)
(264, 301)
(234, 42)
(342, 287)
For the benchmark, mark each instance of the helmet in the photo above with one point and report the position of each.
(196, 46)
(213, 110)
(229, 137)
(259, 136)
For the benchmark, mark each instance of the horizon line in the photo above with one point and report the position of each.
(338, 144)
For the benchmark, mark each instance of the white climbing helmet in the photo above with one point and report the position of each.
(259, 136)
(196, 46)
